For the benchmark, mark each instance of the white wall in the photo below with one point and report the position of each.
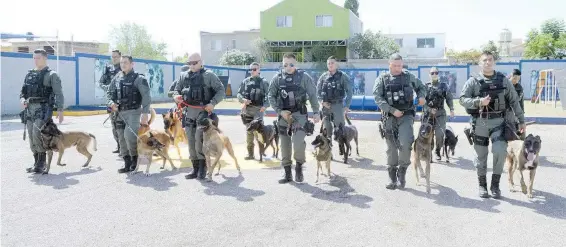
(505, 68)
(409, 48)
(356, 25)
(534, 66)
(14, 70)
(455, 76)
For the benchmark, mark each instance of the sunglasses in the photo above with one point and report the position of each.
(288, 65)
(254, 69)
(434, 73)
(192, 62)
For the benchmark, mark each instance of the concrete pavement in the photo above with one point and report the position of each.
(99, 207)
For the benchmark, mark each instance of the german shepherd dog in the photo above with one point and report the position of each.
(154, 142)
(523, 155)
(344, 134)
(214, 143)
(422, 151)
(265, 135)
(450, 141)
(323, 152)
(55, 140)
(174, 128)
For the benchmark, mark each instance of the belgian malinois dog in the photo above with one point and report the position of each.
(323, 152)
(154, 141)
(214, 143)
(174, 128)
(422, 150)
(55, 140)
(523, 155)
(265, 135)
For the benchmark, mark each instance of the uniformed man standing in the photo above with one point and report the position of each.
(486, 98)
(41, 90)
(289, 91)
(109, 72)
(335, 91)
(198, 91)
(393, 92)
(516, 80)
(129, 97)
(253, 96)
(184, 68)
(436, 94)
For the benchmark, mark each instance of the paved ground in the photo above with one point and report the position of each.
(98, 207)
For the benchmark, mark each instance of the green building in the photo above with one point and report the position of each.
(298, 25)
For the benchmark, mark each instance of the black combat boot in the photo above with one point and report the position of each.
(495, 191)
(127, 164)
(438, 158)
(401, 177)
(483, 186)
(299, 173)
(250, 153)
(194, 173)
(35, 157)
(134, 162)
(288, 175)
(393, 178)
(40, 166)
(202, 169)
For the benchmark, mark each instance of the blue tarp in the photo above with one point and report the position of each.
(16, 36)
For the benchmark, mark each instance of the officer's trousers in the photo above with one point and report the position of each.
(193, 133)
(127, 127)
(399, 139)
(293, 145)
(37, 115)
(439, 123)
(252, 110)
(489, 130)
(333, 116)
(113, 117)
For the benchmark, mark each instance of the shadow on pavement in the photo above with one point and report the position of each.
(159, 181)
(61, 180)
(448, 197)
(545, 203)
(231, 187)
(342, 195)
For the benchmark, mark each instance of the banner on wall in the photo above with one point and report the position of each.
(358, 80)
(225, 79)
(154, 76)
(99, 68)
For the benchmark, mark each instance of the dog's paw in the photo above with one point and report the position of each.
(162, 167)
(428, 190)
(147, 174)
(524, 189)
(61, 164)
(530, 195)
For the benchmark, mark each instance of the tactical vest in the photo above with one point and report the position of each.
(254, 90)
(399, 91)
(292, 95)
(35, 91)
(112, 70)
(127, 94)
(333, 89)
(435, 96)
(196, 93)
(495, 88)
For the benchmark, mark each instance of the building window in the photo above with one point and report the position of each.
(323, 21)
(233, 44)
(216, 45)
(49, 50)
(399, 42)
(425, 43)
(284, 21)
(23, 49)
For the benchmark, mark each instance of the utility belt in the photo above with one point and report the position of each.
(488, 115)
(508, 130)
(128, 107)
(341, 101)
(405, 112)
(302, 109)
(34, 100)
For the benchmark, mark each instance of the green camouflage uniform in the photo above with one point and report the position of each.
(252, 111)
(104, 83)
(339, 95)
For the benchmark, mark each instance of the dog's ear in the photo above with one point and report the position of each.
(538, 138)
(163, 115)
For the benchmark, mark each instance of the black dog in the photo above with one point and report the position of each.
(344, 134)
(450, 141)
(265, 136)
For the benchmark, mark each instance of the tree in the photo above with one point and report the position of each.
(236, 57)
(182, 59)
(319, 53)
(548, 42)
(133, 39)
(370, 45)
(491, 47)
(352, 5)
(554, 27)
(261, 49)
(471, 56)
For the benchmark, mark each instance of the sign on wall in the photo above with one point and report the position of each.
(154, 76)
(99, 68)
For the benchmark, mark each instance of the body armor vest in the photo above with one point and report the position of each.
(292, 96)
(127, 95)
(333, 89)
(254, 91)
(495, 88)
(196, 93)
(435, 96)
(112, 70)
(35, 91)
(398, 91)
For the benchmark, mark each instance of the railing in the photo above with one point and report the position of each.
(278, 56)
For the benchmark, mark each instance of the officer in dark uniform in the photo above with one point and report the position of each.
(184, 68)
(109, 72)
(41, 90)
(252, 93)
(437, 94)
(486, 98)
(130, 98)
(516, 80)
(198, 90)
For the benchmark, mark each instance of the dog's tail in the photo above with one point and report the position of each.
(347, 119)
(152, 116)
(94, 139)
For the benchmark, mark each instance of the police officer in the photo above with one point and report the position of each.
(393, 92)
(252, 93)
(516, 79)
(130, 99)
(198, 91)
(288, 92)
(41, 90)
(436, 93)
(109, 72)
(335, 91)
(486, 98)
(184, 68)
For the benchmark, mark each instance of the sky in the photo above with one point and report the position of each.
(467, 23)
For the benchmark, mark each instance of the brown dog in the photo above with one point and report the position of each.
(154, 141)
(214, 143)
(422, 151)
(323, 153)
(174, 128)
(523, 155)
(55, 140)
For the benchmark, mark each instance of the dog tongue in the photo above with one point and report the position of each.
(530, 156)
